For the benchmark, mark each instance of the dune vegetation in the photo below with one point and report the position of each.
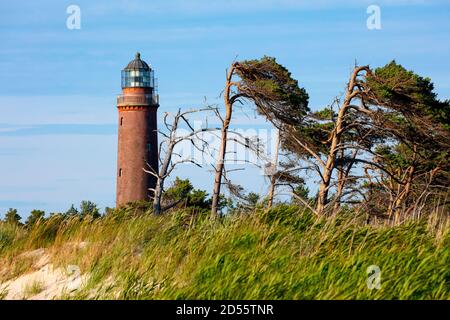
(282, 253)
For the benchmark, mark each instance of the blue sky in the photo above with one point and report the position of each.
(58, 86)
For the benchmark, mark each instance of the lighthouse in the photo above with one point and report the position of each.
(138, 137)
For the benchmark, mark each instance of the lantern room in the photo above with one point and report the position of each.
(138, 74)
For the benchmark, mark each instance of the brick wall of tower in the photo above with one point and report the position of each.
(137, 144)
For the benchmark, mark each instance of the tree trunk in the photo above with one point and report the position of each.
(223, 146)
(157, 198)
(219, 171)
(162, 177)
(324, 187)
(342, 179)
(404, 194)
(340, 185)
(273, 178)
(322, 199)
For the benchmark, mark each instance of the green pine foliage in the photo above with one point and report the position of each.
(12, 217)
(34, 217)
(270, 86)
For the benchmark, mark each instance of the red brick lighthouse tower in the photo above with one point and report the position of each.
(138, 137)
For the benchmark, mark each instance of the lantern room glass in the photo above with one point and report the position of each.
(139, 78)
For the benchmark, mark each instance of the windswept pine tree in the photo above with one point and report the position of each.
(270, 87)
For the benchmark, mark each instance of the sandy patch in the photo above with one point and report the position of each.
(46, 283)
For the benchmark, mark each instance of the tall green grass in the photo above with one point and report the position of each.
(286, 253)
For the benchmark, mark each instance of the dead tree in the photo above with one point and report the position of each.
(172, 139)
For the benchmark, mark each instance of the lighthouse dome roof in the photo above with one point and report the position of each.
(137, 64)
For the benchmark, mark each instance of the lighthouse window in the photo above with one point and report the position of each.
(137, 78)
(120, 172)
(149, 147)
(121, 120)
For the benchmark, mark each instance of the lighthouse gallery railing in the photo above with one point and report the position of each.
(137, 100)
